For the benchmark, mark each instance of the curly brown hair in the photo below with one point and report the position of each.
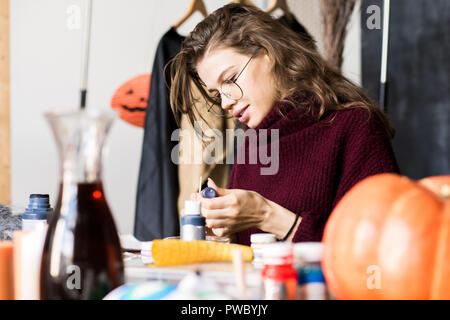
(297, 67)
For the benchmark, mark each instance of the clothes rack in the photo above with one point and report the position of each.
(280, 4)
(196, 5)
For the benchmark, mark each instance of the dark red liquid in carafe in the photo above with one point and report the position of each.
(82, 257)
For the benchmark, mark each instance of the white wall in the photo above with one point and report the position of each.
(308, 13)
(45, 74)
(351, 66)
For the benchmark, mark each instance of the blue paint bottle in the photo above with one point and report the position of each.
(192, 223)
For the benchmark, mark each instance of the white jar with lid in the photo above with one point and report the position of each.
(258, 241)
(279, 277)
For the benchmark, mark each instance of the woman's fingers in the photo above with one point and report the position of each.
(216, 223)
(226, 201)
(221, 232)
(216, 214)
(209, 232)
(220, 191)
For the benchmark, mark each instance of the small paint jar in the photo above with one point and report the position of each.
(279, 276)
(192, 226)
(258, 241)
(311, 281)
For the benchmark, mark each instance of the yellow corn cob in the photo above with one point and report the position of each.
(173, 252)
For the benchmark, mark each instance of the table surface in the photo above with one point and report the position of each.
(222, 272)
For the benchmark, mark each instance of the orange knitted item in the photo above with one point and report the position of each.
(175, 252)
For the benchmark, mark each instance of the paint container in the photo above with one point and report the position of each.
(192, 225)
(278, 274)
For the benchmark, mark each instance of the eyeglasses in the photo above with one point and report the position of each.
(231, 90)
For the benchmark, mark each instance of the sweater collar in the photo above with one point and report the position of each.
(287, 117)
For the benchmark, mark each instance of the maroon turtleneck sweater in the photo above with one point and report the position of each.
(318, 164)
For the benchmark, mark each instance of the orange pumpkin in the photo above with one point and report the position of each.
(130, 99)
(440, 185)
(389, 238)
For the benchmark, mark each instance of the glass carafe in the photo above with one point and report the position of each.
(82, 256)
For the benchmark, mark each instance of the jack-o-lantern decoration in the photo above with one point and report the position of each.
(389, 238)
(131, 98)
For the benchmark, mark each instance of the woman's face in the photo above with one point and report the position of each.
(256, 82)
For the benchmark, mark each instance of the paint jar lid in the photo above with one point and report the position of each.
(38, 207)
(279, 253)
(192, 207)
(263, 238)
(209, 193)
(308, 251)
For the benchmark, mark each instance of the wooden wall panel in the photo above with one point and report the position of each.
(5, 149)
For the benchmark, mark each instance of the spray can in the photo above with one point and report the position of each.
(192, 225)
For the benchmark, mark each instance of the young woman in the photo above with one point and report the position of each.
(329, 134)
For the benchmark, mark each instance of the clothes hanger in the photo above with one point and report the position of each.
(281, 4)
(247, 2)
(196, 5)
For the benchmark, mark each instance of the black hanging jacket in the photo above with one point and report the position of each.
(156, 200)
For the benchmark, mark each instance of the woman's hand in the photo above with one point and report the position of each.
(233, 210)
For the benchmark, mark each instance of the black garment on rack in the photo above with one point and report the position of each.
(156, 200)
